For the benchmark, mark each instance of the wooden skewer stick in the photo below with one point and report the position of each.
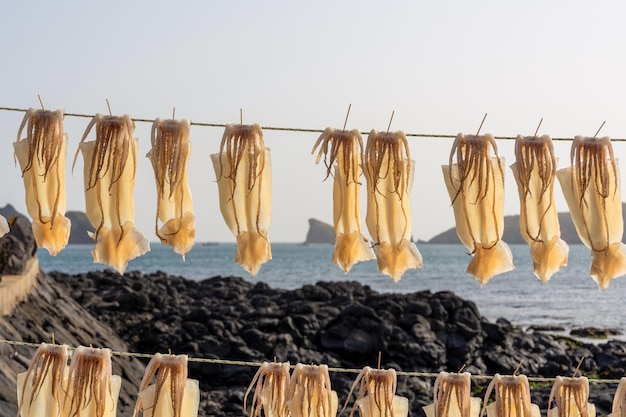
(347, 114)
(481, 124)
(520, 363)
(389, 126)
(174, 113)
(537, 131)
(41, 102)
(462, 367)
(379, 358)
(109, 106)
(240, 116)
(600, 128)
(580, 362)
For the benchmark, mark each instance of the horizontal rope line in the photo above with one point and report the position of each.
(336, 370)
(303, 130)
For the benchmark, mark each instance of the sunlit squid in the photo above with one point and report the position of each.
(172, 394)
(591, 186)
(452, 397)
(512, 398)
(110, 163)
(92, 389)
(4, 226)
(377, 394)
(389, 172)
(309, 393)
(40, 390)
(342, 150)
(42, 155)
(571, 397)
(475, 183)
(270, 385)
(169, 157)
(243, 170)
(535, 171)
(619, 400)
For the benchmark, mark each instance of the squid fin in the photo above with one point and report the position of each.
(179, 233)
(116, 251)
(607, 265)
(489, 262)
(253, 250)
(351, 248)
(394, 260)
(548, 257)
(52, 236)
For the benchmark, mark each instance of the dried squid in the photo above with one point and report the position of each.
(309, 393)
(591, 186)
(110, 163)
(389, 172)
(169, 157)
(4, 226)
(345, 155)
(92, 389)
(42, 157)
(270, 385)
(570, 397)
(172, 394)
(377, 394)
(535, 171)
(619, 400)
(452, 397)
(475, 183)
(512, 393)
(40, 390)
(244, 180)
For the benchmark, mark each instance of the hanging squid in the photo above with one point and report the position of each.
(244, 180)
(42, 157)
(169, 157)
(389, 172)
(512, 398)
(92, 389)
(619, 400)
(343, 150)
(475, 183)
(452, 397)
(172, 394)
(570, 397)
(591, 186)
(110, 163)
(4, 226)
(40, 390)
(309, 393)
(377, 394)
(535, 171)
(270, 385)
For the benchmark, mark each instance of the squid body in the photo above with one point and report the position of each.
(377, 394)
(452, 397)
(42, 155)
(270, 385)
(389, 172)
(475, 183)
(591, 186)
(169, 157)
(535, 173)
(342, 151)
(512, 397)
(309, 393)
(244, 180)
(619, 400)
(110, 163)
(4, 226)
(570, 396)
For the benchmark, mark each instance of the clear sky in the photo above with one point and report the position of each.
(440, 65)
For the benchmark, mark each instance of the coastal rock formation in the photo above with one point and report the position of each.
(320, 232)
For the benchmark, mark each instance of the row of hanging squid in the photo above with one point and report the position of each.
(474, 177)
(87, 388)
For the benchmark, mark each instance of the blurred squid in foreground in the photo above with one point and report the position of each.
(389, 172)
(591, 186)
(4, 226)
(619, 400)
(110, 163)
(475, 183)
(169, 156)
(309, 393)
(244, 180)
(512, 397)
(42, 155)
(270, 385)
(343, 151)
(377, 394)
(571, 397)
(535, 172)
(452, 397)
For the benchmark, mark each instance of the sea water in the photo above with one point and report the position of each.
(570, 299)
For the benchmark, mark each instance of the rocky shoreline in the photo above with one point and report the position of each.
(341, 324)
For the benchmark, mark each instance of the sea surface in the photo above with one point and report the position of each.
(571, 299)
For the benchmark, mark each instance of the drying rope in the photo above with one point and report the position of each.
(336, 370)
(304, 130)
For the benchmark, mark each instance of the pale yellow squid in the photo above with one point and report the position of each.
(571, 397)
(591, 186)
(309, 393)
(42, 155)
(169, 157)
(110, 163)
(377, 394)
(270, 385)
(512, 397)
(41, 389)
(389, 172)
(619, 400)
(244, 180)
(535, 172)
(342, 150)
(172, 394)
(475, 183)
(4, 226)
(452, 397)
